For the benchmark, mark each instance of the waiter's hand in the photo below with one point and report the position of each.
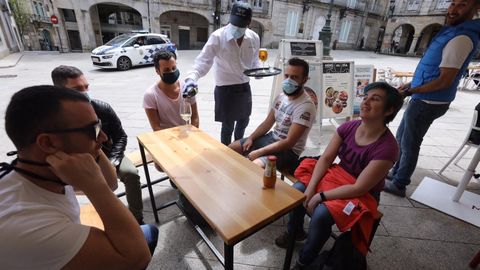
(190, 88)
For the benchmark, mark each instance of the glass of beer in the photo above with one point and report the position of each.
(263, 55)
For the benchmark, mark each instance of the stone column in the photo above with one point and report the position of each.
(145, 23)
(387, 40)
(211, 26)
(411, 51)
(87, 35)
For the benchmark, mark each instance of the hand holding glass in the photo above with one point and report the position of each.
(185, 111)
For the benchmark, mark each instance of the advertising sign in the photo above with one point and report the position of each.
(363, 76)
(337, 90)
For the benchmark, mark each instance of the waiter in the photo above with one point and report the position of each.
(231, 50)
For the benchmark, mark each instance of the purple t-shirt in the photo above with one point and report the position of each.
(354, 158)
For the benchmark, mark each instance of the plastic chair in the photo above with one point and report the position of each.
(471, 140)
(475, 78)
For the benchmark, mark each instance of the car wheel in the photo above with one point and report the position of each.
(124, 63)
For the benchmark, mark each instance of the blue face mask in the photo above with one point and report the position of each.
(236, 31)
(290, 87)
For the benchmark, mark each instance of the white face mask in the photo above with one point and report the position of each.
(236, 31)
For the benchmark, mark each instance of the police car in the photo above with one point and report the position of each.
(131, 49)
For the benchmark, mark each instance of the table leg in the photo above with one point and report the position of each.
(149, 183)
(290, 246)
(228, 263)
(467, 176)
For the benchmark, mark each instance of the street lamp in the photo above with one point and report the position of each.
(148, 14)
(326, 33)
(216, 14)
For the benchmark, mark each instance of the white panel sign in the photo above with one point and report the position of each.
(363, 77)
(337, 92)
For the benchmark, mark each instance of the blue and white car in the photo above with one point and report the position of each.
(131, 49)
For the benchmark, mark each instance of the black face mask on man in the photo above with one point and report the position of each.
(170, 77)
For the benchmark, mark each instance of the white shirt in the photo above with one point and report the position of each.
(301, 111)
(39, 229)
(168, 109)
(228, 59)
(456, 51)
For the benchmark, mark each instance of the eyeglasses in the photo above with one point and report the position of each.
(92, 130)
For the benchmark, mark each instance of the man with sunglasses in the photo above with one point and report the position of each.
(58, 138)
(114, 147)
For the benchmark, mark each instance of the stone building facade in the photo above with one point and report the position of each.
(412, 25)
(86, 24)
(9, 36)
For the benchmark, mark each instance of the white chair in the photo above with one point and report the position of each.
(467, 142)
(475, 80)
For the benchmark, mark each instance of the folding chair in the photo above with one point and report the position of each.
(471, 140)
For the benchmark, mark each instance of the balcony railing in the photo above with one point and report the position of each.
(40, 18)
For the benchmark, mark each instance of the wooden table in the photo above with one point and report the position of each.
(90, 217)
(403, 76)
(223, 186)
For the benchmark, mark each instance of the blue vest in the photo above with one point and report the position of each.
(428, 69)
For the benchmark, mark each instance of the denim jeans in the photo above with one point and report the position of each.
(151, 235)
(319, 230)
(227, 130)
(414, 125)
(128, 174)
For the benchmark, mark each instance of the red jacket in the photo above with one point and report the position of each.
(361, 218)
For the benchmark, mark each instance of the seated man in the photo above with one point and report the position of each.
(114, 147)
(293, 114)
(161, 101)
(58, 138)
(367, 150)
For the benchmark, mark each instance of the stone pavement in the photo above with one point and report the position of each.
(10, 60)
(411, 235)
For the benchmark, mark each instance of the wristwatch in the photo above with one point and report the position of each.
(322, 195)
(407, 92)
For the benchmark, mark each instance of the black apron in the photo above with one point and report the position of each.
(233, 102)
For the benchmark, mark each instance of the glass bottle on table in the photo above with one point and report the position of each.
(270, 174)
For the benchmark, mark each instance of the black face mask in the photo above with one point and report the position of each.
(5, 168)
(171, 77)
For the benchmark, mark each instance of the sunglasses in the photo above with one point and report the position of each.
(92, 130)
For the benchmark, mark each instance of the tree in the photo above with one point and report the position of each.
(20, 14)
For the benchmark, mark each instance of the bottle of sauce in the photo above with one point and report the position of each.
(270, 174)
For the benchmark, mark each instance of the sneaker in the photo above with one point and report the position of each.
(282, 240)
(392, 188)
(389, 176)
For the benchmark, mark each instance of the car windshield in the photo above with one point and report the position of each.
(119, 40)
